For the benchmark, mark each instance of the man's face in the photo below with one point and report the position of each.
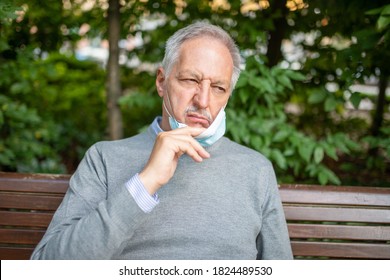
(199, 83)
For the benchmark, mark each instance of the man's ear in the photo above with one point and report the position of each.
(160, 81)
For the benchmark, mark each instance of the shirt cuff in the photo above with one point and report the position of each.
(144, 200)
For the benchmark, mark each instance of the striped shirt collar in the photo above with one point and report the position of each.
(156, 125)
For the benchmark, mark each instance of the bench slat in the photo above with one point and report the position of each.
(31, 202)
(15, 253)
(328, 214)
(341, 250)
(379, 233)
(27, 219)
(40, 183)
(21, 236)
(335, 195)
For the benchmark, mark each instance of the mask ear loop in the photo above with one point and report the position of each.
(166, 109)
(170, 105)
(172, 119)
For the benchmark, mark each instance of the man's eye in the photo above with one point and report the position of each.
(219, 89)
(190, 81)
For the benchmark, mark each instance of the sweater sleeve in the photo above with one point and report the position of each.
(89, 223)
(273, 241)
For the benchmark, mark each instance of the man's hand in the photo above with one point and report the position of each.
(167, 150)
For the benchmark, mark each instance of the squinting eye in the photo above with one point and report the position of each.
(191, 80)
(219, 89)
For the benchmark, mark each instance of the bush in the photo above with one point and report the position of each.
(52, 110)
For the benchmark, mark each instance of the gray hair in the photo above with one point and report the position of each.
(201, 29)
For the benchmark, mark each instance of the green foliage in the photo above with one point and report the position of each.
(384, 17)
(24, 136)
(70, 93)
(53, 106)
(140, 103)
(381, 143)
(51, 111)
(25, 139)
(257, 118)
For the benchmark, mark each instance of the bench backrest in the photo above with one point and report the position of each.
(27, 204)
(338, 222)
(329, 222)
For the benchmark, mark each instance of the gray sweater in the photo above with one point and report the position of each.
(226, 207)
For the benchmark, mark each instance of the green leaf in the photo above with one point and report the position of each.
(18, 87)
(330, 104)
(326, 175)
(322, 178)
(288, 152)
(3, 46)
(317, 97)
(244, 95)
(384, 19)
(355, 99)
(374, 11)
(242, 81)
(278, 157)
(386, 10)
(318, 154)
(256, 82)
(294, 75)
(262, 84)
(256, 142)
(281, 135)
(383, 22)
(330, 151)
(285, 81)
(306, 150)
(332, 177)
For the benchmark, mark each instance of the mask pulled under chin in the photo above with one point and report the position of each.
(212, 134)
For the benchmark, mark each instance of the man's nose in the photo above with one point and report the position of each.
(202, 96)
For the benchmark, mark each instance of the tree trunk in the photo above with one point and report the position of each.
(115, 124)
(380, 106)
(276, 36)
(379, 112)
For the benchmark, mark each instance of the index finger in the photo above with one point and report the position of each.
(192, 131)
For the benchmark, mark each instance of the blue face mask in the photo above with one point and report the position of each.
(211, 135)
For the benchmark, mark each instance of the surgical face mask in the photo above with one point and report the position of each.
(211, 135)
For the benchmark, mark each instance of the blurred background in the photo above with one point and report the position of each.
(313, 96)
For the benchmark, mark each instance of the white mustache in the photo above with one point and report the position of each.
(202, 112)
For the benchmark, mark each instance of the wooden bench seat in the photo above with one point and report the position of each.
(323, 221)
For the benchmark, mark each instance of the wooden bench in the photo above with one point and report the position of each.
(323, 221)
(338, 222)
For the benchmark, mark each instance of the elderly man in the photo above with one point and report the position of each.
(180, 190)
